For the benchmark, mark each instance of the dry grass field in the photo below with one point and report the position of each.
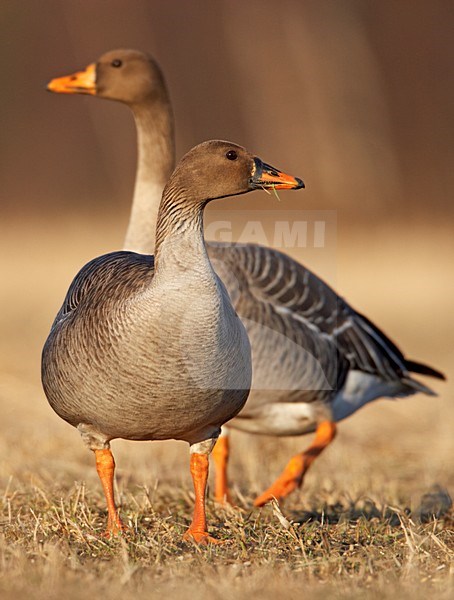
(355, 98)
(363, 524)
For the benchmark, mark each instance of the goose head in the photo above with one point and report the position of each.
(217, 169)
(128, 76)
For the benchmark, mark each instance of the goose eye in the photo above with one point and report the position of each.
(116, 63)
(231, 155)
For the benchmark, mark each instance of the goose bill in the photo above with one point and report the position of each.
(81, 82)
(266, 176)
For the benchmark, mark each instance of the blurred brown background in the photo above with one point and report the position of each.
(355, 96)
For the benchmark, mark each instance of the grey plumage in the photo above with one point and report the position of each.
(109, 361)
(314, 358)
(320, 338)
(150, 348)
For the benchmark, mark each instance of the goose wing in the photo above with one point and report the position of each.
(104, 279)
(270, 282)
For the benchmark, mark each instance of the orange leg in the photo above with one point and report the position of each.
(197, 531)
(220, 456)
(293, 474)
(105, 465)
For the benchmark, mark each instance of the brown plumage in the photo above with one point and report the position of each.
(150, 348)
(315, 359)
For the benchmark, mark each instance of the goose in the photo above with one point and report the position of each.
(316, 361)
(150, 348)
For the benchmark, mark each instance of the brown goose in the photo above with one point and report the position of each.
(150, 348)
(315, 359)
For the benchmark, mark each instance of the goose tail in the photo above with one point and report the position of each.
(412, 386)
(422, 369)
(417, 367)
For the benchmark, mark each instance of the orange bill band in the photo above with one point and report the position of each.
(81, 82)
(266, 176)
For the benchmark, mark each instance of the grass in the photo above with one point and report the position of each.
(52, 544)
(373, 519)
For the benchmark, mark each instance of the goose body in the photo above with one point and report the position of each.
(141, 327)
(315, 359)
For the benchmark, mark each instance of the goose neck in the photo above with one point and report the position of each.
(179, 234)
(155, 163)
